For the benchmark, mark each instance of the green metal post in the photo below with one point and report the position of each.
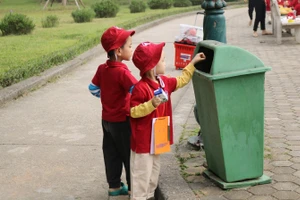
(214, 26)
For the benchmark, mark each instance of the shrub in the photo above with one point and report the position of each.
(17, 24)
(182, 3)
(196, 2)
(50, 21)
(137, 6)
(105, 9)
(160, 4)
(83, 15)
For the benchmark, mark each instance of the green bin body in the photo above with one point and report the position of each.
(229, 92)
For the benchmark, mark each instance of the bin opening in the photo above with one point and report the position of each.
(205, 65)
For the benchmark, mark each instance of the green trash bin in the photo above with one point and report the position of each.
(229, 92)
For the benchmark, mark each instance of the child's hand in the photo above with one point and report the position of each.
(198, 57)
(156, 101)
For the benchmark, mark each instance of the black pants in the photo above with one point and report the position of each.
(116, 150)
(250, 8)
(260, 10)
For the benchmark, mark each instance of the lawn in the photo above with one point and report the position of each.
(27, 55)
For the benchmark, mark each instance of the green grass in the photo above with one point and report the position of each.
(27, 55)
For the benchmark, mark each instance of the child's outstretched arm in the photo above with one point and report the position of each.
(188, 71)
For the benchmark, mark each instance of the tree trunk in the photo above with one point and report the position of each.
(77, 4)
(46, 4)
(64, 2)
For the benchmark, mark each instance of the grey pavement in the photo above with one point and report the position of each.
(51, 137)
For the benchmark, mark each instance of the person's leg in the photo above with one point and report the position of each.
(112, 160)
(256, 21)
(250, 11)
(263, 17)
(121, 135)
(141, 169)
(258, 16)
(263, 23)
(126, 156)
(154, 176)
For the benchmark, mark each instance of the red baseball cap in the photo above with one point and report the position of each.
(147, 55)
(114, 37)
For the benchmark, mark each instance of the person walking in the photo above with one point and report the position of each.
(260, 16)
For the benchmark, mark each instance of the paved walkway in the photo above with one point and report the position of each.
(51, 138)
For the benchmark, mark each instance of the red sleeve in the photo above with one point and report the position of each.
(171, 82)
(96, 78)
(128, 80)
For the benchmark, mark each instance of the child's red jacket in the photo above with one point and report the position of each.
(115, 80)
(140, 103)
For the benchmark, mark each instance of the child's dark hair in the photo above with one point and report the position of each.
(111, 53)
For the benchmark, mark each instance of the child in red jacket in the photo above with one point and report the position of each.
(144, 106)
(115, 81)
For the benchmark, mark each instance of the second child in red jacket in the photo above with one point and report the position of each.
(144, 106)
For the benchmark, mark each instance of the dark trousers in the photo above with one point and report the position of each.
(116, 150)
(250, 8)
(260, 10)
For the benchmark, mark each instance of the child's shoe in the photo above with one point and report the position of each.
(122, 191)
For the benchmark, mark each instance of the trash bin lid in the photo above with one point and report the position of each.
(224, 61)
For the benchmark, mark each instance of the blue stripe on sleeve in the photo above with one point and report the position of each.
(94, 90)
(131, 88)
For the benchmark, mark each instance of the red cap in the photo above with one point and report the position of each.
(147, 55)
(114, 37)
